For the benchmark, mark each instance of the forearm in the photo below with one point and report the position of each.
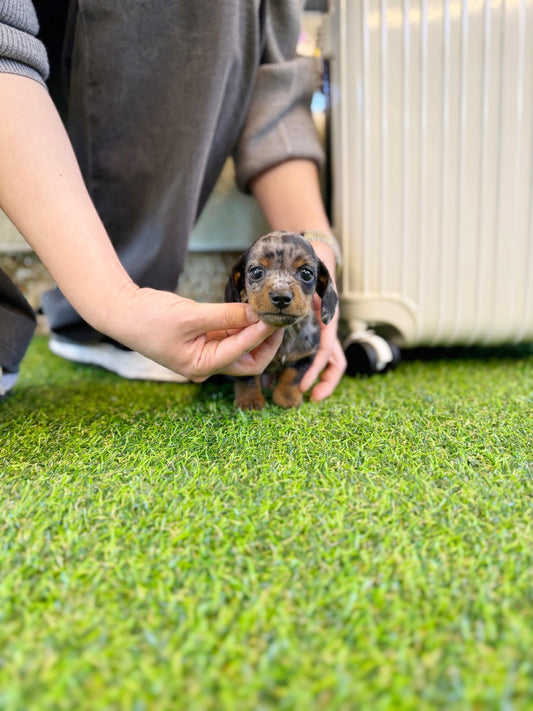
(289, 195)
(43, 193)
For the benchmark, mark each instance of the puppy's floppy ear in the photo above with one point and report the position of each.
(235, 284)
(326, 291)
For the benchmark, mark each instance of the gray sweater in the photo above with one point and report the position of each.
(20, 51)
(278, 124)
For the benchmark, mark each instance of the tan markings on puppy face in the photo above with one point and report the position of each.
(236, 279)
(300, 262)
(281, 279)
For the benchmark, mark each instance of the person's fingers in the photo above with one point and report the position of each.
(220, 317)
(328, 382)
(328, 344)
(247, 340)
(319, 363)
(255, 361)
(330, 367)
(219, 335)
(246, 352)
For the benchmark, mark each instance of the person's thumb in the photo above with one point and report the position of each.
(216, 317)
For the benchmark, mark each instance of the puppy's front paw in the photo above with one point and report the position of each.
(286, 393)
(246, 403)
(287, 396)
(248, 394)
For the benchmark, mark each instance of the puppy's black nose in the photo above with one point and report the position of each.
(281, 299)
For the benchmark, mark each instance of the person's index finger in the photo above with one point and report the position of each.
(326, 386)
(254, 360)
(248, 350)
(319, 363)
(247, 339)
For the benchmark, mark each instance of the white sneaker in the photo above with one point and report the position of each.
(7, 380)
(127, 364)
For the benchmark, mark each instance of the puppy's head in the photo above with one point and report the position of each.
(278, 276)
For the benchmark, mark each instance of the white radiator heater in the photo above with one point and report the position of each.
(431, 109)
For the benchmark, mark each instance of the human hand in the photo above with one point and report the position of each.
(193, 339)
(329, 362)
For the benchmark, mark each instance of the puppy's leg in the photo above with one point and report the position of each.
(248, 393)
(286, 393)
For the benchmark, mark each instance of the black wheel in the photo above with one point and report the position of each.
(396, 357)
(362, 358)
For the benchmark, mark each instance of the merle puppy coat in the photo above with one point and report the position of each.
(278, 277)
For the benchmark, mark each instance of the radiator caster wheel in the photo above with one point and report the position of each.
(396, 357)
(368, 354)
(362, 359)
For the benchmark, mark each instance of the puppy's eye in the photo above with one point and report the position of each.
(256, 273)
(306, 275)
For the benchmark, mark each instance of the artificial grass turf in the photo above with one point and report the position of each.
(160, 550)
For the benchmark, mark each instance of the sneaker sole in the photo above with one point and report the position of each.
(7, 381)
(128, 364)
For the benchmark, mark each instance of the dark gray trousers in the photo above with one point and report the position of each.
(17, 324)
(154, 97)
(157, 95)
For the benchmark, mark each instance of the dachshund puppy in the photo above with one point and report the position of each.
(278, 277)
